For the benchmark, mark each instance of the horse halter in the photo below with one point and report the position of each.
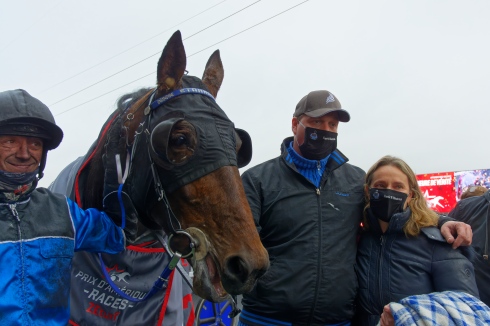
(183, 242)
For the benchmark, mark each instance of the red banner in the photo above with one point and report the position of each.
(438, 190)
(443, 190)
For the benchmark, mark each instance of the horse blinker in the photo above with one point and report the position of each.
(173, 142)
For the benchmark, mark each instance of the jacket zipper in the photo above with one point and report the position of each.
(13, 210)
(319, 259)
(319, 168)
(380, 268)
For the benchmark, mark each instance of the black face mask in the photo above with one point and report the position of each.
(317, 143)
(384, 203)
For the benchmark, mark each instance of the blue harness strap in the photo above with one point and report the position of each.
(159, 102)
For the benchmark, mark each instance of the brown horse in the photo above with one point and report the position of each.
(184, 155)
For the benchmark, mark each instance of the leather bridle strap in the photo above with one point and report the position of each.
(176, 231)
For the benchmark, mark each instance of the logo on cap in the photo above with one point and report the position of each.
(330, 99)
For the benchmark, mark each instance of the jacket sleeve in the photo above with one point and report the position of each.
(458, 212)
(253, 197)
(95, 231)
(443, 219)
(452, 271)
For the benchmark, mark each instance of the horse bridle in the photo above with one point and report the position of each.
(179, 241)
(190, 239)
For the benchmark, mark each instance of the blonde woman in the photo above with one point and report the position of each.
(401, 251)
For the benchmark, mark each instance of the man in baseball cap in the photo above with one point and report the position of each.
(304, 201)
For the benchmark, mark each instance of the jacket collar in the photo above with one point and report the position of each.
(8, 197)
(397, 222)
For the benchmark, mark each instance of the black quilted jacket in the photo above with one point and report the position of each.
(475, 212)
(310, 235)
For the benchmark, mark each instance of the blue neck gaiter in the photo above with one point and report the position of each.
(310, 169)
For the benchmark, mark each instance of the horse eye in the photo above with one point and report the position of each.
(182, 143)
(179, 141)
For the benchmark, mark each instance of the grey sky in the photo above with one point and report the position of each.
(414, 75)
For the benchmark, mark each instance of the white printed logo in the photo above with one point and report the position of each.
(117, 274)
(433, 201)
(330, 99)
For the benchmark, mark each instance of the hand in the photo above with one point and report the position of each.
(112, 207)
(386, 317)
(460, 230)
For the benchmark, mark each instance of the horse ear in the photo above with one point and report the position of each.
(213, 73)
(171, 66)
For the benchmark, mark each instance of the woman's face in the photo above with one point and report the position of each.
(390, 177)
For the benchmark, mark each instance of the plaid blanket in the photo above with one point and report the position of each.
(441, 308)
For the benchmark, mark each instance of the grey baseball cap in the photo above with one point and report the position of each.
(319, 103)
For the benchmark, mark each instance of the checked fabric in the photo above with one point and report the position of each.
(441, 308)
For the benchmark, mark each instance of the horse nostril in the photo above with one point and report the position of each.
(237, 267)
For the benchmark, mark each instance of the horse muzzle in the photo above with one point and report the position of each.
(211, 280)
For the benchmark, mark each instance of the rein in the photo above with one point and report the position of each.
(177, 234)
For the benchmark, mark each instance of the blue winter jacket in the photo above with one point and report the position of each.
(392, 266)
(38, 236)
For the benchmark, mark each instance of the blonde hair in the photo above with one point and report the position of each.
(422, 215)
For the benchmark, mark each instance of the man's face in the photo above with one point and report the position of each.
(20, 154)
(329, 122)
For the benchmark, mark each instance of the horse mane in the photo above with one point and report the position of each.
(94, 183)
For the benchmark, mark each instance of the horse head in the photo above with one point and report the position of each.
(184, 178)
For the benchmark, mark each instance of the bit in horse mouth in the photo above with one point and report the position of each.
(214, 276)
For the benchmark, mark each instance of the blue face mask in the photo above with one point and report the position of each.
(10, 180)
(317, 143)
(384, 203)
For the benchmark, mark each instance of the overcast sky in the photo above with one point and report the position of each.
(414, 74)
